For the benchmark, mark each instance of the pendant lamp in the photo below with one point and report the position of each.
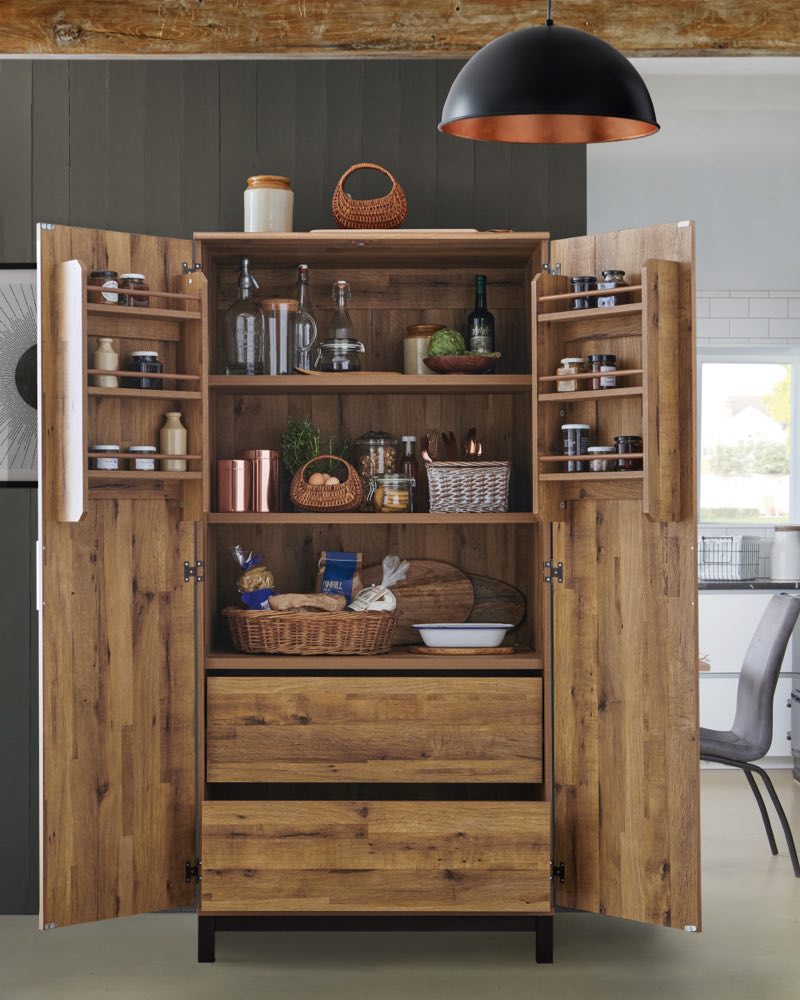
(549, 85)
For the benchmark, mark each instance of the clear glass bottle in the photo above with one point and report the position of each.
(341, 326)
(480, 322)
(409, 466)
(245, 329)
(305, 330)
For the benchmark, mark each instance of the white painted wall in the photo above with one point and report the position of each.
(727, 155)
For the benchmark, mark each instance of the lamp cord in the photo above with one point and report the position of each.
(549, 21)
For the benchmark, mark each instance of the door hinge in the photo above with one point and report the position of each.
(553, 571)
(192, 871)
(190, 268)
(558, 871)
(551, 268)
(196, 571)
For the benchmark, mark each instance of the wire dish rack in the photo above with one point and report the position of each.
(727, 557)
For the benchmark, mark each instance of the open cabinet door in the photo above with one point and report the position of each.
(624, 618)
(117, 620)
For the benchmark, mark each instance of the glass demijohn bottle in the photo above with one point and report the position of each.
(305, 329)
(244, 329)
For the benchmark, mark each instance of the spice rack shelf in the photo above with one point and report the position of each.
(398, 658)
(152, 394)
(158, 376)
(579, 394)
(124, 456)
(142, 312)
(597, 293)
(132, 475)
(369, 382)
(585, 376)
(560, 477)
(585, 458)
(604, 313)
(367, 519)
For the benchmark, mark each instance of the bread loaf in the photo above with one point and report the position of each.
(307, 602)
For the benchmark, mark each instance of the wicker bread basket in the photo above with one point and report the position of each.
(348, 495)
(468, 487)
(386, 212)
(311, 633)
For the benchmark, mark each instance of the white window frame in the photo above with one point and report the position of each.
(777, 354)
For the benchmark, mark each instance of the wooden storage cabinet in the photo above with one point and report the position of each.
(428, 788)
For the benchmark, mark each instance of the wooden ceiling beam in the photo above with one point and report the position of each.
(374, 28)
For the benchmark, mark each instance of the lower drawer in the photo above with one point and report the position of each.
(375, 857)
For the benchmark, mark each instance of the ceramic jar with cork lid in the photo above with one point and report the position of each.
(415, 347)
(105, 358)
(268, 204)
(173, 441)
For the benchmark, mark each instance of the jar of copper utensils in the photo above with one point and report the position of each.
(265, 482)
(233, 485)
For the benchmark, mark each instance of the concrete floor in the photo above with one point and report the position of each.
(749, 949)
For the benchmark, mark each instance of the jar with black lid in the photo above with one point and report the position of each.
(611, 279)
(629, 444)
(103, 282)
(604, 365)
(134, 282)
(584, 283)
(146, 363)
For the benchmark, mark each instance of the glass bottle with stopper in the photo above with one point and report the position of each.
(305, 329)
(341, 352)
(245, 329)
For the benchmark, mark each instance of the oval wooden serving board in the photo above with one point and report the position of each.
(432, 592)
(496, 601)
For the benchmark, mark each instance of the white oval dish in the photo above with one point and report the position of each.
(462, 634)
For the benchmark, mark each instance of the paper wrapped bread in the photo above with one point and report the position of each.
(307, 602)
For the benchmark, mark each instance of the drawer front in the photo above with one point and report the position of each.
(399, 729)
(375, 857)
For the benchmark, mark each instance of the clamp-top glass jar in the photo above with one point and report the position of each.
(339, 356)
(611, 279)
(391, 493)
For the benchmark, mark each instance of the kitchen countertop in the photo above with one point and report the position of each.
(760, 584)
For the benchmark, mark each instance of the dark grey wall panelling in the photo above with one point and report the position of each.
(165, 148)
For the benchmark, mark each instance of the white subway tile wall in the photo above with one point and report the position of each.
(747, 319)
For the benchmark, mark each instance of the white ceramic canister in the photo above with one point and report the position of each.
(268, 204)
(105, 358)
(785, 556)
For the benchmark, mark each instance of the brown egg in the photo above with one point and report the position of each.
(316, 479)
(331, 481)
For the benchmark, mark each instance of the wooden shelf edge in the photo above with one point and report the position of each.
(604, 312)
(152, 394)
(143, 312)
(578, 394)
(599, 293)
(586, 458)
(367, 519)
(133, 475)
(397, 659)
(369, 382)
(588, 477)
(159, 376)
(587, 375)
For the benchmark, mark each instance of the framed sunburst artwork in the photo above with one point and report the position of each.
(18, 363)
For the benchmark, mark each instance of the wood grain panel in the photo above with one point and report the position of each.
(357, 857)
(431, 28)
(374, 729)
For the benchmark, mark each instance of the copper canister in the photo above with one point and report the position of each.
(233, 485)
(265, 478)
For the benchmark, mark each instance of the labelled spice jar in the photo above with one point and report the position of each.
(611, 279)
(145, 363)
(584, 283)
(141, 457)
(628, 444)
(570, 366)
(600, 459)
(576, 442)
(108, 461)
(391, 493)
(604, 365)
(135, 282)
(100, 284)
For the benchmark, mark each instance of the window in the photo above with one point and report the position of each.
(747, 437)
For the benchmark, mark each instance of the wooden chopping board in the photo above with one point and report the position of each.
(431, 592)
(496, 601)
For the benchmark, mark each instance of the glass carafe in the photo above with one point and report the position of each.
(244, 329)
(341, 326)
(305, 326)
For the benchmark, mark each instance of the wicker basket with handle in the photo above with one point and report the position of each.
(347, 495)
(387, 212)
(468, 487)
(311, 633)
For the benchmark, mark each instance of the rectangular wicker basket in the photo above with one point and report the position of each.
(309, 633)
(468, 487)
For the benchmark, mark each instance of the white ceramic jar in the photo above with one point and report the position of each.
(105, 358)
(268, 204)
(173, 440)
(785, 555)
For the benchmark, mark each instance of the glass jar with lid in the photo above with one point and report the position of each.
(576, 441)
(570, 366)
(377, 452)
(339, 356)
(629, 444)
(584, 283)
(136, 283)
(391, 493)
(611, 278)
(600, 459)
(145, 363)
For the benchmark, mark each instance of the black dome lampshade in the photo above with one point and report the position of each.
(548, 85)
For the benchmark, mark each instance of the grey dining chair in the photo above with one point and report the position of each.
(750, 736)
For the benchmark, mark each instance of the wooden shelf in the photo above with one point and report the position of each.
(571, 397)
(585, 457)
(152, 394)
(131, 475)
(366, 519)
(142, 312)
(129, 457)
(369, 382)
(594, 477)
(584, 376)
(599, 293)
(158, 376)
(606, 312)
(397, 659)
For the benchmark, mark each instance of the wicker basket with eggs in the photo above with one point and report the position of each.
(320, 492)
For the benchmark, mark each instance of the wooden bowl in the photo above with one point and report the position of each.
(461, 364)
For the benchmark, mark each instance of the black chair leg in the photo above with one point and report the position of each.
(787, 832)
(763, 810)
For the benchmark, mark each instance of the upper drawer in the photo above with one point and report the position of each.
(307, 729)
